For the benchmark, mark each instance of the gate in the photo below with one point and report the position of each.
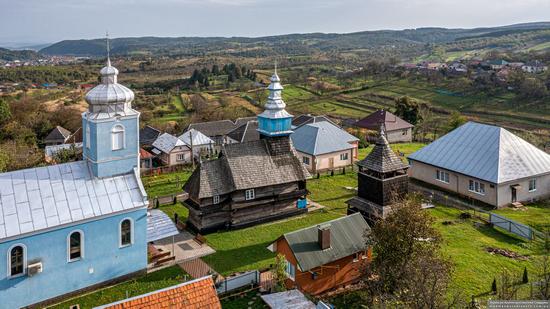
(511, 226)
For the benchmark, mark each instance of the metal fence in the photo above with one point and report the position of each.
(238, 281)
(511, 226)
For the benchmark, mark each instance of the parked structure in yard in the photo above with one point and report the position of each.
(70, 227)
(382, 179)
(325, 256)
(57, 136)
(171, 150)
(201, 144)
(397, 130)
(147, 136)
(324, 146)
(486, 163)
(251, 182)
(198, 293)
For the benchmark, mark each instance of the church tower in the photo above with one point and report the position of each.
(275, 121)
(382, 179)
(111, 126)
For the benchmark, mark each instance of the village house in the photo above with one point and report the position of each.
(484, 163)
(307, 119)
(197, 293)
(201, 144)
(70, 227)
(534, 67)
(215, 130)
(251, 182)
(496, 64)
(171, 150)
(246, 132)
(147, 136)
(57, 136)
(325, 256)
(397, 130)
(382, 180)
(324, 146)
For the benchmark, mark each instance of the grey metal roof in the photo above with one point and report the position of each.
(213, 128)
(247, 132)
(52, 150)
(321, 137)
(159, 226)
(58, 133)
(485, 152)
(148, 135)
(198, 138)
(167, 142)
(307, 118)
(288, 299)
(347, 236)
(41, 198)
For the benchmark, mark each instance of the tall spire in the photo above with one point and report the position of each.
(108, 49)
(275, 120)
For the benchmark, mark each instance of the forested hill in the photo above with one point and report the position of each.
(529, 34)
(10, 55)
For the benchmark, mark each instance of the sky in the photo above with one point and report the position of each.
(40, 21)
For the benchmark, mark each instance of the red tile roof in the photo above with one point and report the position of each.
(391, 122)
(199, 293)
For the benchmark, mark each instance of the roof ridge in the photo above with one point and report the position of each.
(326, 222)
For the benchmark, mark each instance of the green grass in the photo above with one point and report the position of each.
(466, 245)
(177, 208)
(406, 148)
(536, 215)
(242, 301)
(165, 184)
(151, 282)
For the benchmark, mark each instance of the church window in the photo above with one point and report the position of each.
(117, 137)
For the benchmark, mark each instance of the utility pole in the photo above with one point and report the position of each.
(192, 153)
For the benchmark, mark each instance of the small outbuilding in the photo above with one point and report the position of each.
(171, 150)
(397, 130)
(57, 136)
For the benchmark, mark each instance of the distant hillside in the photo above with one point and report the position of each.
(301, 43)
(10, 55)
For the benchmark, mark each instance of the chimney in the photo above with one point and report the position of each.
(323, 235)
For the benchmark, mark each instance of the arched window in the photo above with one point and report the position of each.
(117, 137)
(17, 261)
(88, 141)
(75, 246)
(126, 229)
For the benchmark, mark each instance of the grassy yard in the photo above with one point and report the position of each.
(165, 184)
(151, 282)
(248, 300)
(177, 208)
(536, 215)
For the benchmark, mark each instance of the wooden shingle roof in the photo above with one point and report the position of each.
(199, 293)
(382, 159)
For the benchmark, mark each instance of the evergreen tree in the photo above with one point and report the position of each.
(215, 69)
(494, 286)
(525, 276)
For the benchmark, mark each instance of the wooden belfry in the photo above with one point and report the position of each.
(382, 179)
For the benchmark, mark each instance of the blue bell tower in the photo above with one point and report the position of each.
(275, 120)
(110, 127)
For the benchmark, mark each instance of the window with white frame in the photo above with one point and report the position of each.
(126, 230)
(216, 199)
(17, 261)
(180, 157)
(305, 160)
(442, 176)
(477, 187)
(290, 270)
(75, 249)
(343, 156)
(117, 137)
(88, 141)
(532, 185)
(249, 194)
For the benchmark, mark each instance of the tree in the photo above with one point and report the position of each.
(67, 155)
(494, 286)
(5, 113)
(407, 108)
(525, 278)
(279, 273)
(408, 266)
(4, 161)
(456, 120)
(533, 88)
(215, 69)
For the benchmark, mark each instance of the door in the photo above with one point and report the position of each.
(331, 163)
(514, 195)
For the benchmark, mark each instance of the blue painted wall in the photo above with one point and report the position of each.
(105, 161)
(101, 252)
(274, 127)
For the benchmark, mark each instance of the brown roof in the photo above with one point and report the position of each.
(199, 293)
(390, 121)
(58, 133)
(254, 164)
(213, 128)
(382, 159)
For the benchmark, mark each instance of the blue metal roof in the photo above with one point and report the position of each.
(159, 226)
(320, 138)
(485, 152)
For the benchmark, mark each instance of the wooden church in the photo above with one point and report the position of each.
(382, 179)
(251, 182)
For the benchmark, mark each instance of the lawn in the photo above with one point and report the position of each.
(406, 148)
(536, 215)
(177, 208)
(151, 282)
(165, 184)
(246, 300)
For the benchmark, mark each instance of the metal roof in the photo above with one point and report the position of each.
(167, 142)
(391, 122)
(485, 152)
(159, 226)
(58, 133)
(52, 150)
(321, 137)
(42, 198)
(198, 138)
(288, 299)
(347, 236)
